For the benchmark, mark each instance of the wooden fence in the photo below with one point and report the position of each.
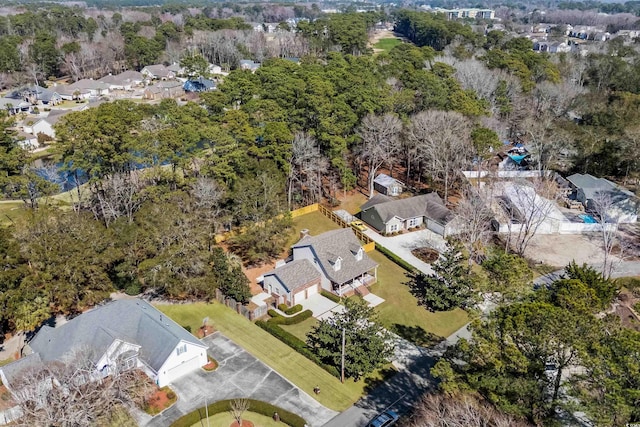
(250, 311)
(368, 244)
(305, 210)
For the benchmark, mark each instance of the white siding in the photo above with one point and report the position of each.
(395, 221)
(177, 365)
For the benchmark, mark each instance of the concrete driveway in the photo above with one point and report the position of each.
(402, 245)
(239, 375)
(321, 307)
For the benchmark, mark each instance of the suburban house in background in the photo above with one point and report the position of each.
(384, 184)
(339, 257)
(248, 64)
(293, 282)
(123, 334)
(587, 189)
(28, 141)
(126, 80)
(45, 125)
(157, 72)
(32, 96)
(388, 215)
(199, 85)
(160, 90)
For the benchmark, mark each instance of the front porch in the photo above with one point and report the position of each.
(358, 285)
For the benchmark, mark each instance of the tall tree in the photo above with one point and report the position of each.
(449, 287)
(380, 143)
(367, 344)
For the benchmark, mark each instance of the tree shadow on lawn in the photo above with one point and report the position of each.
(416, 335)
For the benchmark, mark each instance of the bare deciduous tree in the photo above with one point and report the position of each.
(380, 143)
(72, 392)
(474, 218)
(443, 140)
(437, 410)
(238, 408)
(608, 219)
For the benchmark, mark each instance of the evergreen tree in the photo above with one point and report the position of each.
(449, 287)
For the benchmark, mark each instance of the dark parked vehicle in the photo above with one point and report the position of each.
(385, 419)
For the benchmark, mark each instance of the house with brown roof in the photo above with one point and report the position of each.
(340, 258)
(292, 283)
(388, 215)
(164, 89)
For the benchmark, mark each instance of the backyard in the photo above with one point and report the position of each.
(296, 368)
(387, 44)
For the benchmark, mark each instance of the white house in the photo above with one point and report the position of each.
(123, 334)
(157, 72)
(28, 141)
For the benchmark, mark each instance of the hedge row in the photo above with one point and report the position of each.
(293, 310)
(393, 257)
(281, 320)
(256, 406)
(333, 297)
(297, 344)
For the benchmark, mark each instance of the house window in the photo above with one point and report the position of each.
(181, 349)
(413, 222)
(393, 227)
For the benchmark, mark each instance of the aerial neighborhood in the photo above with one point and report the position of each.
(319, 214)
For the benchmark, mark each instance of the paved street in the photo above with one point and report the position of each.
(402, 245)
(621, 269)
(239, 375)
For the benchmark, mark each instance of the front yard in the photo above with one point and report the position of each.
(296, 368)
(401, 313)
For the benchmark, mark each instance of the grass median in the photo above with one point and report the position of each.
(296, 368)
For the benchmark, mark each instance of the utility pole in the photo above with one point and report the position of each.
(342, 364)
(206, 408)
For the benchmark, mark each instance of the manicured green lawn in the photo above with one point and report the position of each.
(315, 222)
(401, 313)
(353, 202)
(301, 329)
(293, 366)
(387, 44)
(225, 419)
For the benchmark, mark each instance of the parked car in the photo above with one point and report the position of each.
(385, 419)
(359, 225)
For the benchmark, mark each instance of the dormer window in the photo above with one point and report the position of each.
(359, 254)
(337, 265)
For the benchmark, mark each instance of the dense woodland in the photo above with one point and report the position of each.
(156, 183)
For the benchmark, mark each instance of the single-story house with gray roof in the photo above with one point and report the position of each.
(122, 334)
(592, 191)
(339, 257)
(388, 215)
(292, 283)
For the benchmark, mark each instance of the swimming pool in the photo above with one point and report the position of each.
(587, 219)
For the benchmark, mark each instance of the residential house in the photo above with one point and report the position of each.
(596, 193)
(126, 80)
(386, 185)
(339, 257)
(15, 106)
(176, 68)
(215, 69)
(292, 283)
(199, 85)
(44, 125)
(248, 64)
(28, 141)
(36, 95)
(70, 94)
(157, 72)
(96, 88)
(123, 334)
(388, 215)
(165, 89)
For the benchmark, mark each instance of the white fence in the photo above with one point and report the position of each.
(563, 227)
(502, 174)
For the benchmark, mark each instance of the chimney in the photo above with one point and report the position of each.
(304, 232)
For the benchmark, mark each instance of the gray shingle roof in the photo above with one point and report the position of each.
(15, 370)
(88, 84)
(591, 186)
(338, 243)
(134, 321)
(385, 180)
(429, 205)
(295, 274)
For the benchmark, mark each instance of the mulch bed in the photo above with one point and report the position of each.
(245, 423)
(211, 366)
(159, 400)
(205, 331)
(427, 255)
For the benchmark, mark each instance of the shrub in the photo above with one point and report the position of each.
(281, 320)
(333, 297)
(293, 310)
(171, 395)
(393, 257)
(133, 289)
(283, 307)
(297, 344)
(257, 406)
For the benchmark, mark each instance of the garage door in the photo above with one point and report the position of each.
(299, 297)
(312, 290)
(182, 369)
